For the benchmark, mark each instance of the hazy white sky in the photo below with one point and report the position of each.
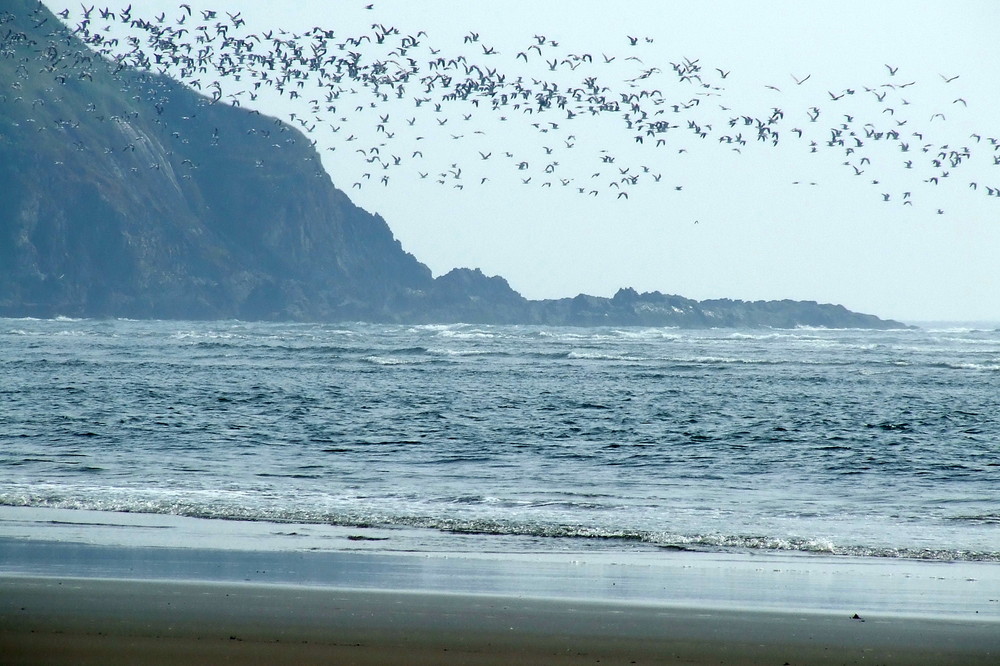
(748, 224)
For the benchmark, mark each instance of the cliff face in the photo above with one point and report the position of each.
(125, 194)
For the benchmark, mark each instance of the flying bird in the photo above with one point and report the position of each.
(375, 71)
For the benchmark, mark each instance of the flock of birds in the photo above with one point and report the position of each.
(399, 109)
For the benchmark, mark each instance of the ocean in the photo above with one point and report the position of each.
(463, 438)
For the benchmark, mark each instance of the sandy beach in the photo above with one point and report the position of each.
(90, 603)
(98, 621)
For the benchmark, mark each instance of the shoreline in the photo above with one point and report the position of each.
(67, 543)
(717, 581)
(86, 620)
(63, 603)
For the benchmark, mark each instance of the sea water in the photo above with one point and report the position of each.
(470, 438)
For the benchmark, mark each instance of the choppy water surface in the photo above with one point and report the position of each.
(844, 442)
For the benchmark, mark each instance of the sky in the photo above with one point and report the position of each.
(533, 196)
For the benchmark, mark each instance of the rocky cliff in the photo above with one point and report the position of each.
(125, 194)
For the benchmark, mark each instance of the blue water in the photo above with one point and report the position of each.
(844, 442)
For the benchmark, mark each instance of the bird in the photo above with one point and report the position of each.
(352, 72)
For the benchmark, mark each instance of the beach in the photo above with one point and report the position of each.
(80, 603)
(100, 621)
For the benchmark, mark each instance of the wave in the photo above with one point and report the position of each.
(979, 519)
(962, 328)
(776, 336)
(376, 359)
(992, 340)
(949, 365)
(596, 356)
(471, 334)
(594, 535)
(206, 335)
(577, 335)
(469, 352)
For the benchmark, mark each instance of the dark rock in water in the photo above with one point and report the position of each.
(125, 194)
(627, 307)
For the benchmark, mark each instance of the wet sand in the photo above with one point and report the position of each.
(129, 597)
(101, 621)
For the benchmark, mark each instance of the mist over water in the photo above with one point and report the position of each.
(874, 443)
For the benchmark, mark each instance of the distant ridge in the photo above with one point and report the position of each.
(125, 194)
